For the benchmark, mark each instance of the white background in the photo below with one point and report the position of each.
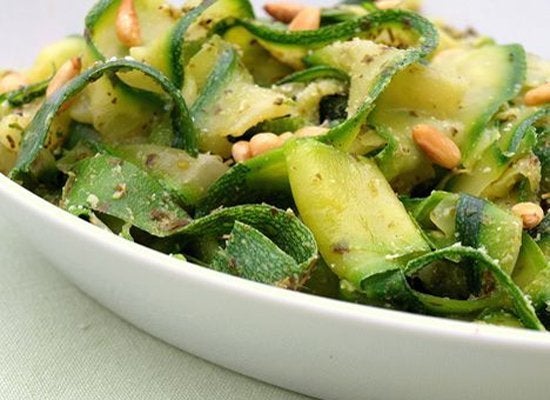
(28, 25)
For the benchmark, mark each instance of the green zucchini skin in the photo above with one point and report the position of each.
(542, 151)
(218, 78)
(539, 291)
(542, 236)
(314, 73)
(25, 95)
(178, 43)
(278, 125)
(283, 229)
(522, 306)
(252, 255)
(514, 60)
(94, 15)
(83, 142)
(367, 26)
(469, 220)
(419, 34)
(392, 289)
(176, 53)
(481, 224)
(110, 185)
(35, 135)
(532, 272)
(261, 179)
(531, 262)
(497, 316)
(450, 218)
(265, 244)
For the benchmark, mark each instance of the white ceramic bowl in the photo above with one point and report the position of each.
(324, 348)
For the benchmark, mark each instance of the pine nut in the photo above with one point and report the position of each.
(127, 24)
(241, 151)
(538, 96)
(438, 148)
(530, 213)
(311, 131)
(12, 81)
(285, 137)
(67, 72)
(284, 11)
(263, 142)
(306, 20)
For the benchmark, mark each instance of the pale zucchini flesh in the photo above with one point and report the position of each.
(361, 227)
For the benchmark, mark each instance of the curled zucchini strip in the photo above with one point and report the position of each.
(173, 38)
(264, 243)
(418, 29)
(366, 26)
(177, 42)
(114, 187)
(239, 183)
(511, 143)
(225, 65)
(185, 135)
(516, 142)
(522, 306)
(25, 95)
(446, 306)
(95, 14)
(256, 180)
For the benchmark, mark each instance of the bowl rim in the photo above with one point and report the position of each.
(415, 324)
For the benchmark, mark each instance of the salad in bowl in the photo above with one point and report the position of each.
(360, 152)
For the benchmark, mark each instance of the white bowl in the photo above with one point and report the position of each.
(320, 347)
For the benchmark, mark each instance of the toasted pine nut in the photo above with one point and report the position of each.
(67, 72)
(530, 213)
(310, 131)
(285, 137)
(306, 20)
(439, 148)
(538, 96)
(241, 151)
(127, 24)
(388, 4)
(12, 81)
(283, 11)
(263, 142)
